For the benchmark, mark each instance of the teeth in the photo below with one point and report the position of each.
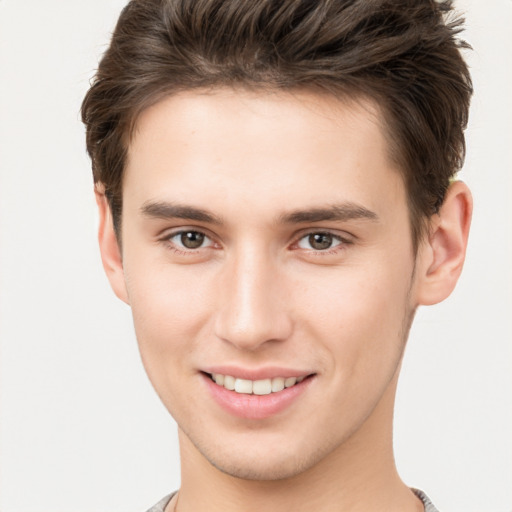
(289, 382)
(229, 382)
(277, 384)
(243, 386)
(256, 387)
(262, 387)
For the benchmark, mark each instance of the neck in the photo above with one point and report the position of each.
(360, 475)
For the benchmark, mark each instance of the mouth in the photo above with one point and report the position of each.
(256, 399)
(256, 387)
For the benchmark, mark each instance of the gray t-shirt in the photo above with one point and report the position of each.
(429, 507)
(160, 506)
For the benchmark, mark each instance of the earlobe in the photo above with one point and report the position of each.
(443, 253)
(109, 246)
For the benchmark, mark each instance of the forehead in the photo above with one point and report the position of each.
(268, 150)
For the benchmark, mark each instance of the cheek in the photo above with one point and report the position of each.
(170, 306)
(359, 315)
(171, 309)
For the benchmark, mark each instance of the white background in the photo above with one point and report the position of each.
(81, 429)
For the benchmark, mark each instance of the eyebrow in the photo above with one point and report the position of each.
(338, 212)
(165, 210)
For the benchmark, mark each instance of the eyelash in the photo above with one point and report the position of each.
(343, 242)
(340, 246)
(184, 251)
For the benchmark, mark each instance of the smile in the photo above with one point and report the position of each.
(256, 399)
(255, 387)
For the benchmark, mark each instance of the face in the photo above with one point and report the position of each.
(266, 245)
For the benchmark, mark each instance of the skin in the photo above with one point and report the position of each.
(258, 294)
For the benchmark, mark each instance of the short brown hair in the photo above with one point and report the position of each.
(403, 54)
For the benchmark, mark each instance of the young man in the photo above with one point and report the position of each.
(274, 182)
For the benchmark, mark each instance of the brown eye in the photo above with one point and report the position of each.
(319, 241)
(192, 239)
(189, 240)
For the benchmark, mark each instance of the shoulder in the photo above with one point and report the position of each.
(160, 506)
(429, 506)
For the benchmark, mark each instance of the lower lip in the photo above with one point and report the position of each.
(255, 407)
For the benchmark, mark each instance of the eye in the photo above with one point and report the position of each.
(190, 240)
(319, 241)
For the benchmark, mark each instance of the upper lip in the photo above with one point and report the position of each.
(268, 372)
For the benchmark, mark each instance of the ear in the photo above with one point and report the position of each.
(109, 247)
(442, 254)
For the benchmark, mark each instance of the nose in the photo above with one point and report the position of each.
(252, 307)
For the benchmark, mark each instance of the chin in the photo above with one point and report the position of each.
(247, 468)
(262, 459)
